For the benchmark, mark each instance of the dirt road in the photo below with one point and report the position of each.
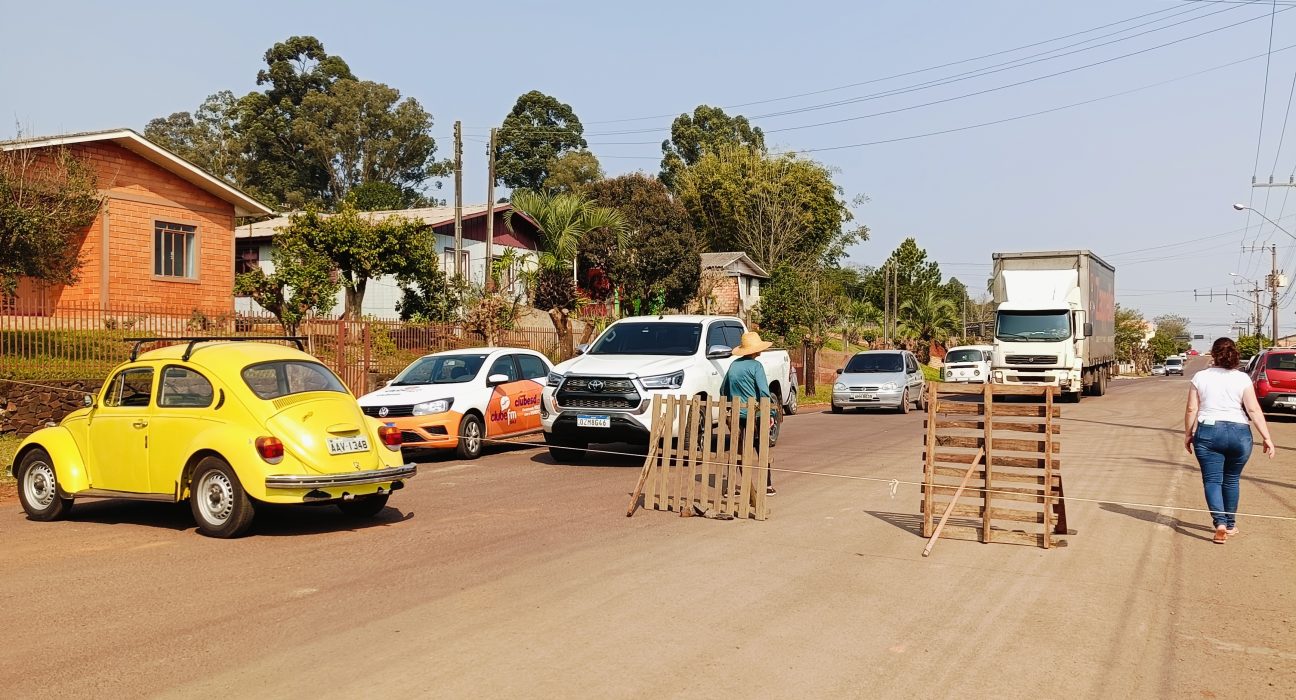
(512, 576)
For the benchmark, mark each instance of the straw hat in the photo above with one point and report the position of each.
(751, 344)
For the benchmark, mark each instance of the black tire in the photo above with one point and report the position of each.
(566, 451)
(922, 401)
(219, 504)
(838, 409)
(471, 433)
(38, 487)
(904, 403)
(776, 426)
(1073, 397)
(364, 506)
(1100, 383)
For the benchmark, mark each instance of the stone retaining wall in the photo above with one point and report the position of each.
(25, 409)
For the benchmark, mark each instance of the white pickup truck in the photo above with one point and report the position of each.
(603, 394)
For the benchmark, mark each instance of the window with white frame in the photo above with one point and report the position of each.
(174, 250)
(447, 262)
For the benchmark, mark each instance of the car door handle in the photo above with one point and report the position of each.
(140, 424)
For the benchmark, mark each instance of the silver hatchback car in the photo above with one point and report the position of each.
(889, 379)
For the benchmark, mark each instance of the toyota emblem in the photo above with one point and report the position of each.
(382, 412)
(596, 385)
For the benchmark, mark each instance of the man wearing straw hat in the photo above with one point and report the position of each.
(746, 380)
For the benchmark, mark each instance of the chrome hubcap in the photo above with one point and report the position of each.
(472, 436)
(40, 485)
(215, 496)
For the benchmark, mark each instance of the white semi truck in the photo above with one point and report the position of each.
(1055, 321)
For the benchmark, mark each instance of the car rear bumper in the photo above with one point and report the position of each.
(324, 481)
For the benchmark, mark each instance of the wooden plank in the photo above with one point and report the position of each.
(1032, 427)
(1026, 410)
(1035, 445)
(954, 388)
(654, 435)
(1049, 448)
(748, 461)
(976, 511)
(929, 457)
(1029, 426)
(1019, 390)
(695, 455)
(708, 454)
(959, 441)
(988, 473)
(731, 458)
(667, 452)
(950, 508)
(1016, 478)
(961, 408)
(1018, 462)
(955, 532)
(951, 424)
(763, 457)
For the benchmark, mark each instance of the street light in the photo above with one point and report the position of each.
(1243, 207)
(1274, 279)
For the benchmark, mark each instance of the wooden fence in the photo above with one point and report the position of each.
(85, 341)
(999, 458)
(701, 460)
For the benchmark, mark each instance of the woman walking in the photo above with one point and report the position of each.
(1217, 433)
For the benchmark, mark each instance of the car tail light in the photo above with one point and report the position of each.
(271, 449)
(390, 436)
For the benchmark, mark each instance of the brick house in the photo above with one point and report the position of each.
(164, 236)
(734, 281)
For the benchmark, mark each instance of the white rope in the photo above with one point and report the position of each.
(895, 483)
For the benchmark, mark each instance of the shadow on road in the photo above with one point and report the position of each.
(1152, 516)
(271, 520)
(909, 522)
(600, 456)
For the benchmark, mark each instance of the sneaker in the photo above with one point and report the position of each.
(769, 491)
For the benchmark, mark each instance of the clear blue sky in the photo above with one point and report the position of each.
(1154, 167)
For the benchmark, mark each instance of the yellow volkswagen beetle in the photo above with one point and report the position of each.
(224, 423)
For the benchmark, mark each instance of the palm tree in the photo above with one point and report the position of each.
(855, 315)
(563, 219)
(928, 317)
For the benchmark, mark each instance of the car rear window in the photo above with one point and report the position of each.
(1281, 361)
(271, 380)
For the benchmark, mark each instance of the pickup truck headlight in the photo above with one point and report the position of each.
(674, 380)
(427, 408)
(839, 387)
(554, 379)
(889, 386)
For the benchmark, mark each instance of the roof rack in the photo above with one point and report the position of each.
(194, 340)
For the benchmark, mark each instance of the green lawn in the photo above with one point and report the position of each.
(8, 445)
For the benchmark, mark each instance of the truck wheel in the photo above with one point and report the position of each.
(566, 451)
(1100, 383)
(470, 437)
(38, 488)
(790, 408)
(364, 506)
(220, 506)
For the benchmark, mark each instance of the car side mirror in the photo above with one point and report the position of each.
(497, 379)
(840, 370)
(719, 352)
(89, 400)
(582, 348)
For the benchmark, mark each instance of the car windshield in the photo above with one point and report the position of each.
(1174, 361)
(441, 369)
(865, 363)
(1033, 326)
(649, 339)
(963, 356)
(1281, 361)
(271, 380)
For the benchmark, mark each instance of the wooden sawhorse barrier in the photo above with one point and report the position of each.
(699, 456)
(992, 466)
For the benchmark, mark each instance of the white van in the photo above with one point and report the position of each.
(967, 364)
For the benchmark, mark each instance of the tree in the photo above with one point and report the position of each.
(209, 138)
(537, 130)
(47, 199)
(278, 168)
(929, 317)
(361, 132)
(490, 310)
(707, 130)
(1130, 332)
(777, 209)
(854, 316)
(913, 276)
(361, 249)
(1250, 345)
(302, 283)
(661, 257)
(573, 171)
(564, 221)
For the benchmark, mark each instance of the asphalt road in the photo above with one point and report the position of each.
(512, 576)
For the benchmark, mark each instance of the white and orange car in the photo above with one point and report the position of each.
(454, 399)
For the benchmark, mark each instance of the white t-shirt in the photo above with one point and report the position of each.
(1220, 393)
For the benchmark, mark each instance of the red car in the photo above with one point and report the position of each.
(1274, 377)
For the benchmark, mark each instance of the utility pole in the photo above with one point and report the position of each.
(490, 213)
(458, 203)
(1274, 281)
(886, 306)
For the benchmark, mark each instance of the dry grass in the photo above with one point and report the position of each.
(8, 445)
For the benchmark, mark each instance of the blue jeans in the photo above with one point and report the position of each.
(1222, 450)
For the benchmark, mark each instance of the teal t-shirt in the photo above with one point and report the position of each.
(745, 380)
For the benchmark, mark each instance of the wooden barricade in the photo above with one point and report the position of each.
(991, 467)
(699, 455)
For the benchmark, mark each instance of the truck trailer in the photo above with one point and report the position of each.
(1055, 321)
